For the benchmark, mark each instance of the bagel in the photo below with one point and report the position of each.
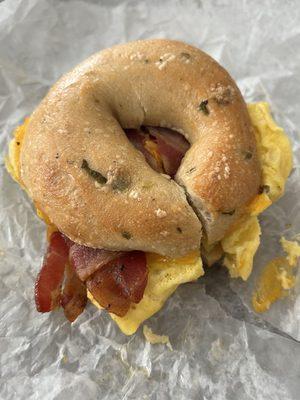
(159, 83)
(136, 159)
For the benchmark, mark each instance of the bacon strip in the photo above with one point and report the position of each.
(87, 260)
(74, 297)
(120, 282)
(131, 274)
(49, 280)
(138, 138)
(171, 147)
(115, 279)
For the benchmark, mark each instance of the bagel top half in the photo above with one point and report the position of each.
(81, 170)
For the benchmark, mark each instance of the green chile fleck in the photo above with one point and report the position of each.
(121, 183)
(93, 174)
(191, 170)
(248, 155)
(203, 107)
(186, 56)
(126, 235)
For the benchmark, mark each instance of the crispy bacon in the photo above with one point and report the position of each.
(131, 274)
(87, 260)
(115, 279)
(74, 298)
(49, 280)
(170, 146)
(120, 282)
(138, 138)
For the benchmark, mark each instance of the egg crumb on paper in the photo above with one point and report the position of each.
(292, 249)
(153, 338)
(276, 278)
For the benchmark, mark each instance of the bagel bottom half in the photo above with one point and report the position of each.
(236, 249)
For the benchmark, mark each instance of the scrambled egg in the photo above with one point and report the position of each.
(275, 154)
(153, 338)
(164, 276)
(292, 249)
(238, 246)
(277, 277)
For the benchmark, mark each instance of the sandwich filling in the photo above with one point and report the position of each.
(134, 285)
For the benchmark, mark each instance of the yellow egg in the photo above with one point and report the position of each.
(277, 277)
(274, 150)
(292, 249)
(258, 204)
(164, 276)
(275, 154)
(240, 246)
(273, 283)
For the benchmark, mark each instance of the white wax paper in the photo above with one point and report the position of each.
(222, 349)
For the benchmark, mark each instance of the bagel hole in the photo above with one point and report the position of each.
(163, 148)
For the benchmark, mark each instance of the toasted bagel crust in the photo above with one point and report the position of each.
(78, 128)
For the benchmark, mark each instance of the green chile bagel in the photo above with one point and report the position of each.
(81, 170)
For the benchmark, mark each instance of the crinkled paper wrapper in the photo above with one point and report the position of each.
(221, 348)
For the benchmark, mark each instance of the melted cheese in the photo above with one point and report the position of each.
(152, 148)
(275, 155)
(12, 161)
(258, 204)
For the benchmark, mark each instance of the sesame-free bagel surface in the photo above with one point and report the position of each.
(81, 170)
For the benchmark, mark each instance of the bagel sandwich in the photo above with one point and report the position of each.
(142, 161)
